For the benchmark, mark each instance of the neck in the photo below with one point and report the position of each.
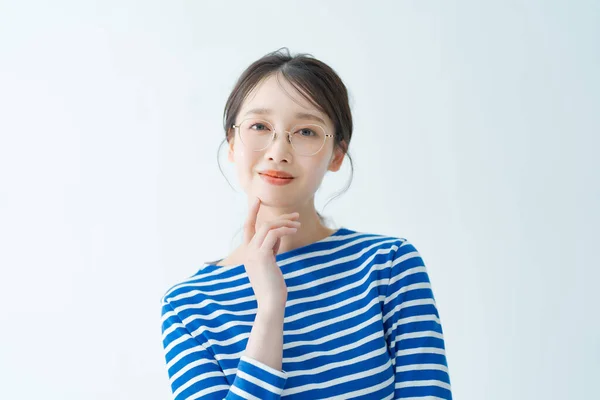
(310, 231)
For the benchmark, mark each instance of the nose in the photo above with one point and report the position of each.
(280, 147)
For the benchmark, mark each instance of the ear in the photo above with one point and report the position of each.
(231, 148)
(336, 159)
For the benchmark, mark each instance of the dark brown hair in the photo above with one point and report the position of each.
(315, 81)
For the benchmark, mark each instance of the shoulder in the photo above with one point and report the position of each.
(397, 253)
(186, 288)
(397, 245)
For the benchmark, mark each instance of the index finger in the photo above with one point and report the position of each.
(250, 225)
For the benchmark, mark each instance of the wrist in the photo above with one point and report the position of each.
(271, 315)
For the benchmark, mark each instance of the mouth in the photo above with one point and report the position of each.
(276, 177)
(274, 180)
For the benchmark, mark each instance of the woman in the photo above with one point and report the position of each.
(299, 310)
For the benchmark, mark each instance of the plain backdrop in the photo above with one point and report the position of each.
(476, 138)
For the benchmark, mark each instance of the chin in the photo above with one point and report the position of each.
(273, 198)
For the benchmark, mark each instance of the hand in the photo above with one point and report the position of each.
(261, 246)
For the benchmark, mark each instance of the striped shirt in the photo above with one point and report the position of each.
(360, 322)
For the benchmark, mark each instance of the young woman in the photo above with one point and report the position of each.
(299, 310)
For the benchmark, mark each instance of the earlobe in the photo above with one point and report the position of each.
(230, 151)
(334, 166)
(336, 161)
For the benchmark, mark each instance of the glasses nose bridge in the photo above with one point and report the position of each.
(287, 133)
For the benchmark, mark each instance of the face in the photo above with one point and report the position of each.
(276, 101)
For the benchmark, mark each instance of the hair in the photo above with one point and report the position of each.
(316, 81)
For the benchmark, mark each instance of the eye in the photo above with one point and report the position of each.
(259, 127)
(306, 132)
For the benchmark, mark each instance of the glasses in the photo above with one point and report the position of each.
(306, 139)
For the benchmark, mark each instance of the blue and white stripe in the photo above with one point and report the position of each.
(360, 322)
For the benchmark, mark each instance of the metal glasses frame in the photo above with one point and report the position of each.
(289, 134)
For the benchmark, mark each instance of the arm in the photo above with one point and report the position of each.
(195, 374)
(413, 331)
(265, 343)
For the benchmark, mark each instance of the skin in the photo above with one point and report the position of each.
(284, 101)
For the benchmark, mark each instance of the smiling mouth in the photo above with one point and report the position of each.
(276, 177)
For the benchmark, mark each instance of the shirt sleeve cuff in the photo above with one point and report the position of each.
(258, 379)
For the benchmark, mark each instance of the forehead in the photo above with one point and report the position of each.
(277, 94)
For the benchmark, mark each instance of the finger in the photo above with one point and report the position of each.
(250, 224)
(262, 232)
(274, 235)
(293, 215)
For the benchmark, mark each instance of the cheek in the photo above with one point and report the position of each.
(322, 164)
(245, 164)
(315, 172)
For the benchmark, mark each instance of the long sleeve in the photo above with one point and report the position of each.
(194, 372)
(413, 331)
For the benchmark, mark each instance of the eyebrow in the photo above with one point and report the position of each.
(300, 115)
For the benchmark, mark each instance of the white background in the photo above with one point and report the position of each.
(476, 138)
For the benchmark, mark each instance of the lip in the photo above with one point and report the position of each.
(275, 174)
(275, 181)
